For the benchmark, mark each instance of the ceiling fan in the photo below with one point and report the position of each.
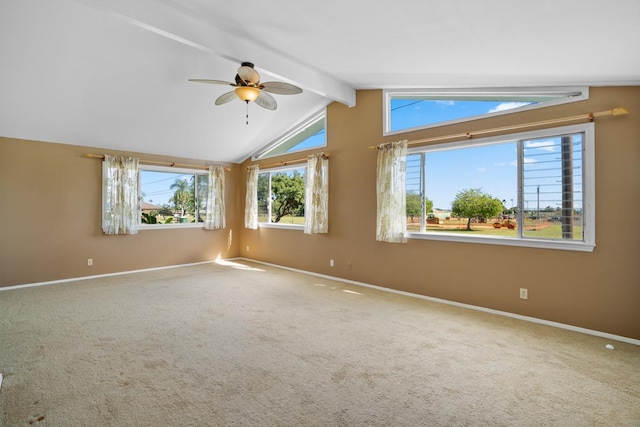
(248, 88)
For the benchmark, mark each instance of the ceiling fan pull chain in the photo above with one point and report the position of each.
(247, 112)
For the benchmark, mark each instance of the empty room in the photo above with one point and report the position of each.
(319, 213)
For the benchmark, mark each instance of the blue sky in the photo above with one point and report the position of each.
(490, 168)
(155, 185)
(408, 113)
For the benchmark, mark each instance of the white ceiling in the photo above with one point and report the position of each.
(113, 74)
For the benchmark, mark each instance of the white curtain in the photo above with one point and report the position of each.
(316, 201)
(215, 215)
(251, 198)
(391, 174)
(120, 203)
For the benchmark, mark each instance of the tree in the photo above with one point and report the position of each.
(287, 195)
(473, 203)
(182, 195)
(413, 205)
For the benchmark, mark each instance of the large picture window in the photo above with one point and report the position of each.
(281, 196)
(529, 189)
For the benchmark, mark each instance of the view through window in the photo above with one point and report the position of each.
(168, 196)
(409, 109)
(281, 195)
(530, 186)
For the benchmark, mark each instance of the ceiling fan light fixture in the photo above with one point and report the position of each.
(247, 93)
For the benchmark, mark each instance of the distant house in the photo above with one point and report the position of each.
(148, 207)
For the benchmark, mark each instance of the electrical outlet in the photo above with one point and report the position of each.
(331, 263)
(247, 248)
(90, 262)
(524, 293)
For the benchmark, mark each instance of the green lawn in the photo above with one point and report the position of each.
(544, 230)
(288, 219)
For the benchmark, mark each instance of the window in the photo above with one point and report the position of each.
(310, 134)
(528, 189)
(281, 194)
(172, 197)
(412, 109)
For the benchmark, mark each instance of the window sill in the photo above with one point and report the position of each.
(143, 227)
(282, 226)
(528, 243)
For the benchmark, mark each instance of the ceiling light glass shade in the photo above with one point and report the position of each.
(247, 93)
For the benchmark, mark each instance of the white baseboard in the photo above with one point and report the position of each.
(75, 279)
(459, 304)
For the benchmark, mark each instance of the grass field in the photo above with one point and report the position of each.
(533, 229)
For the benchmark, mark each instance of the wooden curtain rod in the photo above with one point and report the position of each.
(289, 162)
(153, 162)
(620, 111)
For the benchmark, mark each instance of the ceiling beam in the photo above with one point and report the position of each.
(166, 21)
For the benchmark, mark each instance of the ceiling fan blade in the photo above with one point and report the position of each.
(216, 82)
(227, 97)
(266, 101)
(247, 74)
(280, 88)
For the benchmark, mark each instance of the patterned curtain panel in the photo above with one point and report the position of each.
(391, 174)
(120, 204)
(215, 216)
(316, 201)
(251, 198)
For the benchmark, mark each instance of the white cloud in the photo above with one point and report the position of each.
(529, 160)
(543, 145)
(481, 169)
(447, 103)
(500, 164)
(508, 106)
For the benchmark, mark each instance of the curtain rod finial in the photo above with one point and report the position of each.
(620, 111)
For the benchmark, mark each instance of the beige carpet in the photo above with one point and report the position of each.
(254, 345)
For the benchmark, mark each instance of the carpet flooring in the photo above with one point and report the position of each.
(245, 344)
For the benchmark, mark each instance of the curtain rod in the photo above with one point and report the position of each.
(289, 162)
(153, 162)
(589, 116)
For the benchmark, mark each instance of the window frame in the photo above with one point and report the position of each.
(276, 170)
(588, 181)
(264, 153)
(168, 169)
(464, 94)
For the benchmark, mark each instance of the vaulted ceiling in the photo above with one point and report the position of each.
(114, 74)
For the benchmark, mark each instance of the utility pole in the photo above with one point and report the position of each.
(538, 215)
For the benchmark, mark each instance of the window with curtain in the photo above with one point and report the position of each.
(120, 208)
(294, 196)
(391, 224)
(173, 197)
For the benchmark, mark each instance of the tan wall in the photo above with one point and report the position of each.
(50, 202)
(598, 290)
